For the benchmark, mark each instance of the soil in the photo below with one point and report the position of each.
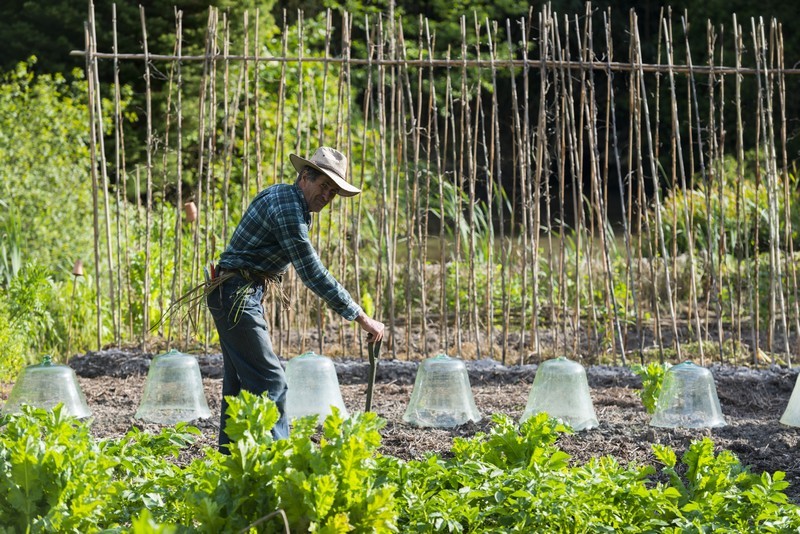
(752, 402)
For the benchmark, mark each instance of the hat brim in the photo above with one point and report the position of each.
(346, 189)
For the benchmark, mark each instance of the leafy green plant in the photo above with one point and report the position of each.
(325, 486)
(652, 376)
(55, 477)
(29, 298)
(508, 446)
(517, 479)
(718, 493)
(13, 345)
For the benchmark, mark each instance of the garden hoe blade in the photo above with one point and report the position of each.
(373, 349)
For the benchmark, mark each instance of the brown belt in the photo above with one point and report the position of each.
(250, 276)
(254, 276)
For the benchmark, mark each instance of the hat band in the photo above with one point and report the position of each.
(330, 170)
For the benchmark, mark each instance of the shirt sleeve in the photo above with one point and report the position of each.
(292, 234)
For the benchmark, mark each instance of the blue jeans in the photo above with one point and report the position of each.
(249, 361)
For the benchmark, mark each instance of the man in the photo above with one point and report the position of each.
(272, 234)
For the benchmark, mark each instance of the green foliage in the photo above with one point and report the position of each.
(718, 494)
(13, 345)
(507, 446)
(704, 213)
(145, 524)
(327, 485)
(55, 477)
(45, 178)
(44, 150)
(652, 376)
(516, 479)
(44, 172)
(46, 316)
(490, 486)
(10, 245)
(29, 297)
(42, 315)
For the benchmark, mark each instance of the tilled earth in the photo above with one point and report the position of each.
(752, 402)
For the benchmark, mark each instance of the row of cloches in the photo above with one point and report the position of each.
(172, 393)
(441, 398)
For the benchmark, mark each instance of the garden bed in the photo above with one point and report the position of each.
(752, 402)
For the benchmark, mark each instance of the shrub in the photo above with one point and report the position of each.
(735, 206)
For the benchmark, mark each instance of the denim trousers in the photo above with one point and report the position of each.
(249, 362)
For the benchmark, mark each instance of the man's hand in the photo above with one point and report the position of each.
(373, 328)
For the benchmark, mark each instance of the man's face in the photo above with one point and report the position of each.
(318, 193)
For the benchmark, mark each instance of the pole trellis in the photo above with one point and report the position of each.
(529, 191)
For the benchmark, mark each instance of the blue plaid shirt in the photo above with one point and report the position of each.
(273, 233)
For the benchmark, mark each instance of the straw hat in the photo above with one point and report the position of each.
(332, 164)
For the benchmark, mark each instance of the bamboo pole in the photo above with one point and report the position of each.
(438, 63)
(162, 234)
(519, 167)
(177, 277)
(360, 210)
(739, 307)
(468, 136)
(791, 266)
(497, 181)
(344, 119)
(415, 272)
(688, 209)
(384, 242)
(430, 40)
(712, 291)
(639, 95)
(489, 151)
(104, 177)
(396, 148)
(526, 196)
(717, 170)
(149, 185)
(90, 65)
(121, 193)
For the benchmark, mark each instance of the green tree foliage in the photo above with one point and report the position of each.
(46, 220)
(51, 29)
(45, 177)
